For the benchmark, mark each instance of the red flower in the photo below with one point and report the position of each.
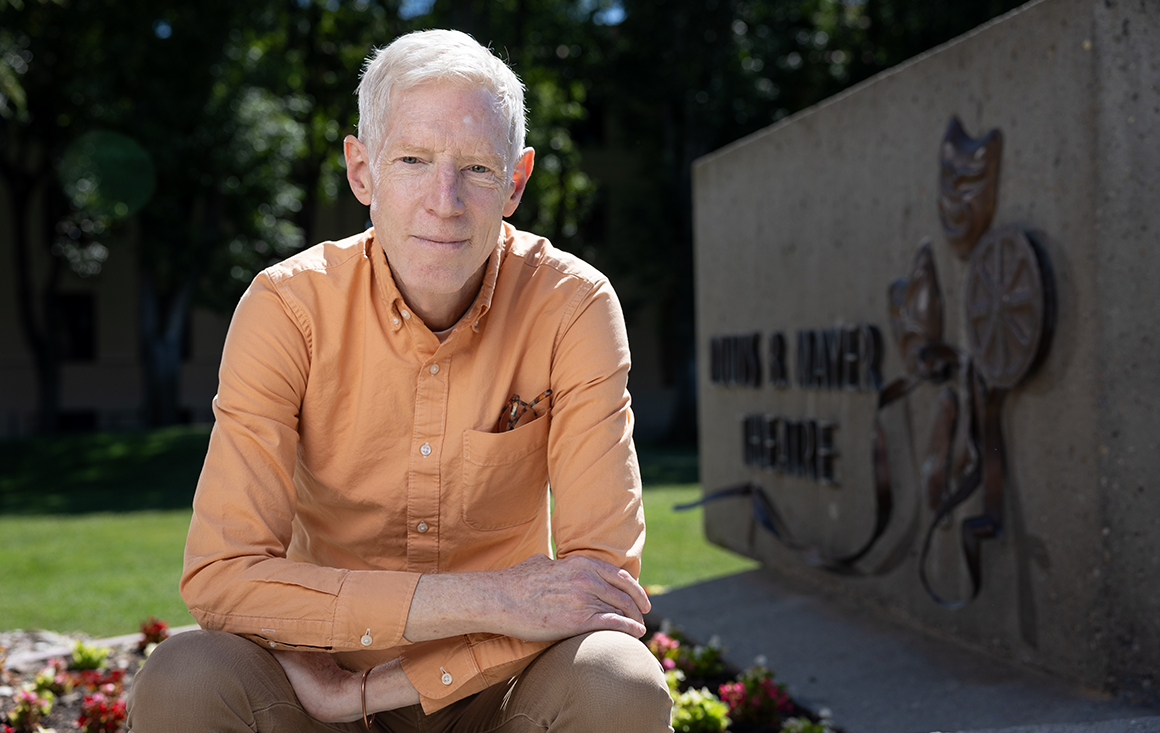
(153, 631)
(101, 714)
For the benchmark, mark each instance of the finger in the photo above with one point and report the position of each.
(623, 581)
(613, 621)
(618, 601)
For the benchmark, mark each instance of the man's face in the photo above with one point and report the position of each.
(437, 190)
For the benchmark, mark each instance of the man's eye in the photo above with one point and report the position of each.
(409, 159)
(479, 169)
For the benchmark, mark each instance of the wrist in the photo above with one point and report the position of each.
(452, 604)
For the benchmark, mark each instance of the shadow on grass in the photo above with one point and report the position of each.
(662, 465)
(102, 472)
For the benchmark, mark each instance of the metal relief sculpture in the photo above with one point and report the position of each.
(1010, 314)
(1007, 303)
(968, 185)
(916, 313)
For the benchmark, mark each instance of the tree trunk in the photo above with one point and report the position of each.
(162, 329)
(39, 333)
(163, 310)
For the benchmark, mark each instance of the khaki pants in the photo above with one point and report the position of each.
(602, 682)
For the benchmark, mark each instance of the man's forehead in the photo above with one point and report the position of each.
(446, 87)
(422, 111)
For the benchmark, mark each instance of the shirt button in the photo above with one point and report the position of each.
(434, 369)
(405, 314)
(366, 640)
(425, 449)
(395, 321)
(273, 644)
(446, 679)
(422, 527)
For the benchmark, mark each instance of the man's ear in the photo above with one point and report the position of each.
(520, 176)
(358, 169)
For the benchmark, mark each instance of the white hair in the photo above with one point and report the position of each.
(433, 56)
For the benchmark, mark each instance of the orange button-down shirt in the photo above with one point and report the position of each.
(354, 451)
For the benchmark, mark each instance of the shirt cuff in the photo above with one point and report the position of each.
(447, 670)
(371, 610)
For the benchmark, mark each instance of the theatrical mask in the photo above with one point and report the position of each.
(968, 185)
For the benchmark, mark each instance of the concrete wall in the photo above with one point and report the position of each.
(806, 224)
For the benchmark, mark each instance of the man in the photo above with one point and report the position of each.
(371, 527)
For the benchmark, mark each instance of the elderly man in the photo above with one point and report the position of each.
(372, 543)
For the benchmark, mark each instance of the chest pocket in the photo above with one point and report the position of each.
(505, 475)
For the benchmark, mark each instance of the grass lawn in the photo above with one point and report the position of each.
(92, 528)
(101, 574)
(676, 552)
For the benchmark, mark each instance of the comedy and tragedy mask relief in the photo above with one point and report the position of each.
(916, 311)
(968, 185)
(1009, 308)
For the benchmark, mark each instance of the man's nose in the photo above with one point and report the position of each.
(443, 197)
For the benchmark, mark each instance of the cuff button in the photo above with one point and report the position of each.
(446, 676)
(366, 639)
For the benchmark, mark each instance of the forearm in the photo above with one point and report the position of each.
(387, 689)
(453, 604)
(334, 695)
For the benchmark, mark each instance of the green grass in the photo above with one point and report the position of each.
(92, 528)
(101, 574)
(676, 552)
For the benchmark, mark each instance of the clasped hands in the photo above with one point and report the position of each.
(539, 599)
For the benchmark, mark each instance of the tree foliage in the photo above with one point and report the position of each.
(240, 109)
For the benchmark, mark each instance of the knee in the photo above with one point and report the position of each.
(191, 673)
(617, 677)
(184, 663)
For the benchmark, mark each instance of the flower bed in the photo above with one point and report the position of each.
(710, 697)
(83, 693)
(86, 692)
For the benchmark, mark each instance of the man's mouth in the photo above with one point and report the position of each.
(440, 241)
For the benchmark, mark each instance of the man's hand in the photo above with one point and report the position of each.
(333, 695)
(546, 600)
(538, 600)
(328, 692)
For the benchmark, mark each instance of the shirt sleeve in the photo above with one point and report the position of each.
(595, 481)
(447, 670)
(592, 462)
(237, 577)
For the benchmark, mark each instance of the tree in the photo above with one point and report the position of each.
(47, 95)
